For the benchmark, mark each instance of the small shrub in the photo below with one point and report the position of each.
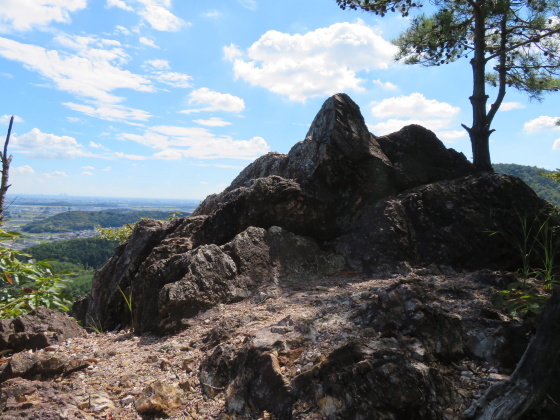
(25, 286)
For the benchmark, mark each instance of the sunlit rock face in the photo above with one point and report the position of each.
(341, 198)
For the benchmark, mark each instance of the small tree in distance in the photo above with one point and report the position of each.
(510, 43)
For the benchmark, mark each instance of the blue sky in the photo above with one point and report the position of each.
(171, 99)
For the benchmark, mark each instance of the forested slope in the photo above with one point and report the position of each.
(80, 220)
(544, 187)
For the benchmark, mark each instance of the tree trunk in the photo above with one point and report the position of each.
(480, 131)
(5, 171)
(529, 383)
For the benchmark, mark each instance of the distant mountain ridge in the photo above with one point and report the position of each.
(544, 187)
(82, 220)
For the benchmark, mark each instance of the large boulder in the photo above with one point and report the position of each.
(40, 328)
(340, 195)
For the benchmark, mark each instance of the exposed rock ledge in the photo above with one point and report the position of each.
(350, 278)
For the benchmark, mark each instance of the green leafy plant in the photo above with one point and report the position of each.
(538, 244)
(127, 299)
(25, 286)
(521, 299)
(120, 234)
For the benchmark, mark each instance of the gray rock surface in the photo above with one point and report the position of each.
(341, 194)
(40, 328)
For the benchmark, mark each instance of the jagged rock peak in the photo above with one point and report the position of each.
(340, 116)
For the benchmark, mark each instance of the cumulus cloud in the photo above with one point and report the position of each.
(213, 122)
(157, 64)
(543, 122)
(88, 168)
(37, 144)
(119, 4)
(248, 4)
(110, 112)
(158, 15)
(216, 101)
(509, 106)
(556, 145)
(24, 15)
(213, 14)
(157, 69)
(23, 170)
(130, 156)
(415, 109)
(87, 173)
(173, 143)
(97, 146)
(148, 42)
(55, 174)
(386, 85)
(414, 105)
(5, 119)
(317, 63)
(91, 73)
(178, 80)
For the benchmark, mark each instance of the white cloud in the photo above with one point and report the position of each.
(213, 14)
(196, 142)
(217, 101)
(119, 4)
(413, 106)
(37, 144)
(90, 73)
(129, 156)
(174, 79)
(106, 169)
(23, 170)
(87, 173)
(556, 145)
(249, 4)
(541, 123)
(439, 126)
(157, 14)
(386, 85)
(508, 106)
(231, 52)
(110, 112)
(55, 174)
(213, 122)
(415, 109)
(5, 119)
(98, 146)
(88, 168)
(122, 30)
(317, 63)
(148, 42)
(157, 64)
(24, 15)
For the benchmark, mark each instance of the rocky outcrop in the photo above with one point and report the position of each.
(342, 195)
(40, 328)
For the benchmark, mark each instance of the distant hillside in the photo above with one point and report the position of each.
(79, 220)
(544, 187)
(87, 252)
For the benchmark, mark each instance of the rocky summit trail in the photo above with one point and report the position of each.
(420, 344)
(351, 278)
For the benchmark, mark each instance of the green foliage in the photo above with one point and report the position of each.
(544, 186)
(120, 234)
(538, 243)
(508, 44)
(25, 286)
(554, 175)
(87, 252)
(521, 299)
(83, 220)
